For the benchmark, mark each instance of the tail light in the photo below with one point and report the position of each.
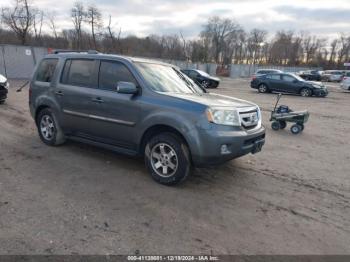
(253, 78)
(345, 77)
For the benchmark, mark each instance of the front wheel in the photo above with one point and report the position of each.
(275, 125)
(305, 92)
(205, 84)
(296, 129)
(167, 158)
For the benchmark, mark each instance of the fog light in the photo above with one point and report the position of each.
(225, 150)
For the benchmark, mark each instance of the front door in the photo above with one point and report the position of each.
(114, 115)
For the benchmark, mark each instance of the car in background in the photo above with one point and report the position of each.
(202, 78)
(311, 75)
(345, 84)
(4, 86)
(265, 72)
(332, 76)
(288, 83)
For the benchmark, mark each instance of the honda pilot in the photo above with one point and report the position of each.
(143, 108)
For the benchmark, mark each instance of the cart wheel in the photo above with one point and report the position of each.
(275, 125)
(283, 124)
(295, 129)
(302, 127)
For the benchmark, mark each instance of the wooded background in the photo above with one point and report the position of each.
(222, 41)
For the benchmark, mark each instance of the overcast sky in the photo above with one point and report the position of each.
(143, 17)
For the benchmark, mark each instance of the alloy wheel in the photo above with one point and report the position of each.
(164, 160)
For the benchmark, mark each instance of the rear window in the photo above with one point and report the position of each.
(46, 70)
(78, 72)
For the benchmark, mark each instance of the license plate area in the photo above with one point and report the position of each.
(257, 146)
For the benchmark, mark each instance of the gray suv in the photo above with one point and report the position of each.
(140, 107)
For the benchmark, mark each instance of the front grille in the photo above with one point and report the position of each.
(249, 118)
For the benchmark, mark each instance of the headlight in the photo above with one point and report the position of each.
(316, 86)
(223, 116)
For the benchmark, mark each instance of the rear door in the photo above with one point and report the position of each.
(274, 82)
(74, 94)
(115, 115)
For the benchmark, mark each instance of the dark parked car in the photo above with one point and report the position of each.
(202, 78)
(311, 75)
(288, 83)
(4, 86)
(141, 107)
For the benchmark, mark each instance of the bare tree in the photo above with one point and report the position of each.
(19, 19)
(112, 37)
(51, 19)
(94, 18)
(38, 20)
(78, 15)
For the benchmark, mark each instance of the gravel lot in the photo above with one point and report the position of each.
(292, 198)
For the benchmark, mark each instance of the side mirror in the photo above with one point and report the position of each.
(126, 88)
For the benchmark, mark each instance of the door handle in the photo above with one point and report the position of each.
(59, 93)
(97, 100)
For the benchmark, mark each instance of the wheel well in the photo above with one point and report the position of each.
(155, 130)
(40, 108)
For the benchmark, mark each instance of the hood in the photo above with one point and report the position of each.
(316, 83)
(211, 99)
(2, 79)
(215, 78)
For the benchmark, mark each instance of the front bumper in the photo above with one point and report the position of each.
(238, 143)
(320, 92)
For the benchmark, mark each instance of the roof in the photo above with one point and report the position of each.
(106, 56)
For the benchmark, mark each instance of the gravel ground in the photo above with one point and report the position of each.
(292, 198)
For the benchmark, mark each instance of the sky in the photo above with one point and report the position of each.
(326, 18)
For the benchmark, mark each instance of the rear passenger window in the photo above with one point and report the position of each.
(274, 77)
(46, 70)
(78, 72)
(113, 72)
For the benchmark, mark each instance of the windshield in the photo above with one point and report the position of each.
(203, 73)
(162, 78)
(297, 77)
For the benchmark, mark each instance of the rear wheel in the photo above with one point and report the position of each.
(275, 125)
(263, 88)
(305, 92)
(283, 124)
(48, 127)
(167, 158)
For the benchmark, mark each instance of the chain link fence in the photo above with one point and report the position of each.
(19, 61)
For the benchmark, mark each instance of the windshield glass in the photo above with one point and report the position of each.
(297, 77)
(203, 73)
(162, 78)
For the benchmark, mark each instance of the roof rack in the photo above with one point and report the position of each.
(58, 51)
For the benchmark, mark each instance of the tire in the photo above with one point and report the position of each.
(283, 124)
(49, 129)
(262, 88)
(205, 84)
(167, 158)
(275, 125)
(302, 127)
(295, 129)
(305, 92)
